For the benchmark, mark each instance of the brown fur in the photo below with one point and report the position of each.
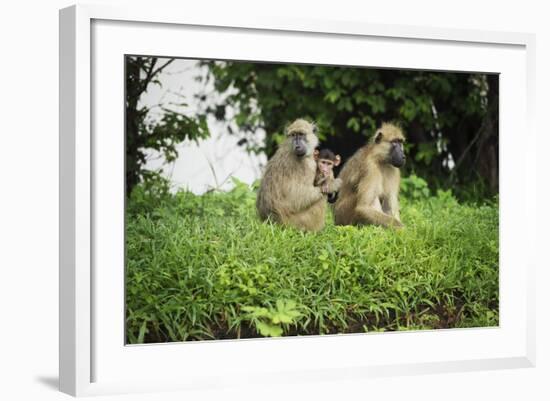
(287, 195)
(370, 184)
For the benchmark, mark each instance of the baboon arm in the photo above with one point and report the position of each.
(334, 185)
(320, 181)
(300, 198)
(368, 191)
(393, 202)
(368, 210)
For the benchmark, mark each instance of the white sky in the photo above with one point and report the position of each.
(212, 162)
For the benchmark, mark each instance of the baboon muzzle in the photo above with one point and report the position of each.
(397, 157)
(299, 147)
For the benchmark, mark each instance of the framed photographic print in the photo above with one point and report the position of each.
(284, 200)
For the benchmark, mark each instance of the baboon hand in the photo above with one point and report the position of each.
(397, 223)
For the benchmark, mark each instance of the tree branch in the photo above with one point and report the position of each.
(482, 130)
(162, 67)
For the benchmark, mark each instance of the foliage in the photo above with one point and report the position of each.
(414, 187)
(269, 321)
(451, 119)
(144, 133)
(204, 267)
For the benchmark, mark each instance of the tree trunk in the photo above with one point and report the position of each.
(132, 124)
(487, 155)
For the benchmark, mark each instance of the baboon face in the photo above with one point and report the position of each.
(302, 138)
(326, 161)
(389, 141)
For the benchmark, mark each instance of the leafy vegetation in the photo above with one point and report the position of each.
(204, 267)
(450, 119)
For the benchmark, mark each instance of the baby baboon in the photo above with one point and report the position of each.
(370, 181)
(326, 161)
(287, 194)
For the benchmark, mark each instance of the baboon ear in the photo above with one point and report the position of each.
(316, 154)
(315, 129)
(378, 137)
(337, 160)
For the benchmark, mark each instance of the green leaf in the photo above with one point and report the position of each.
(353, 124)
(269, 330)
(333, 95)
(142, 331)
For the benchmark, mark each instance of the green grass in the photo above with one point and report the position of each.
(204, 267)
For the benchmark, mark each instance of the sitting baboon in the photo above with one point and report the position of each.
(326, 161)
(370, 181)
(287, 194)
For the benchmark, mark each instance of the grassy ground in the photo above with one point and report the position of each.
(204, 267)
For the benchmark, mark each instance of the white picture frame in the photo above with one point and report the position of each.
(93, 357)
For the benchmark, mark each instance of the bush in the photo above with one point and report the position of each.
(204, 267)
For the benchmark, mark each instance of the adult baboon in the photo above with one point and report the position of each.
(287, 194)
(370, 181)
